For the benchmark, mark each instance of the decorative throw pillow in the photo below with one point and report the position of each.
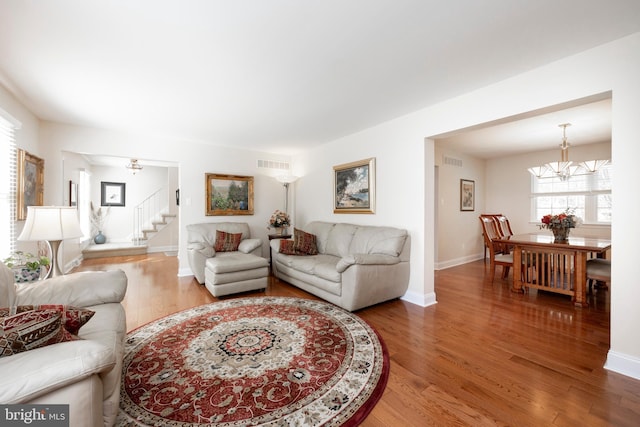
(227, 242)
(73, 318)
(31, 329)
(287, 247)
(304, 242)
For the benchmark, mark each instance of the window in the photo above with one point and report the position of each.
(588, 195)
(7, 184)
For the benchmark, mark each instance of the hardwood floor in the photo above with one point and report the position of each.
(482, 356)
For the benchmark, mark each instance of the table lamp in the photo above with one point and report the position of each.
(53, 224)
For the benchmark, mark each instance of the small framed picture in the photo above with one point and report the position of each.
(112, 193)
(354, 187)
(467, 195)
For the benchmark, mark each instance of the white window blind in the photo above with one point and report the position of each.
(7, 186)
(589, 196)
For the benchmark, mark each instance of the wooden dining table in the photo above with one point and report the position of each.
(561, 267)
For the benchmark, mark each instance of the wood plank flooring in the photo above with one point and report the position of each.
(482, 356)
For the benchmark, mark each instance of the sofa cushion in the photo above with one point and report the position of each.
(321, 230)
(227, 242)
(31, 329)
(229, 262)
(304, 242)
(378, 240)
(205, 232)
(7, 286)
(339, 239)
(73, 318)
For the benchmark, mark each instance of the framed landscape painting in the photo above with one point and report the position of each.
(229, 194)
(354, 187)
(30, 183)
(467, 195)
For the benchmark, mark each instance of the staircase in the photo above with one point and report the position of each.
(149, 217)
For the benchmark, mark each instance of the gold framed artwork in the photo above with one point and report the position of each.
(30, 181)
(354, 187)
(228, 194)
(467, 195)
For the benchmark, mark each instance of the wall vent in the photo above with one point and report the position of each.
(273, 164)
(451, 161)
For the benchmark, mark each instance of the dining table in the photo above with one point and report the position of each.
(540, 262)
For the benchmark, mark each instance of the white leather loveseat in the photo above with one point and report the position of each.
(84, 374)
(356, 266)
(229, 271)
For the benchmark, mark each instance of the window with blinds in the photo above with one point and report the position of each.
(588, 195)
(7, 187)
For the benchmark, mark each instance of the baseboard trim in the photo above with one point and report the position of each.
(457, 261)
(423, 300)
(623, 364)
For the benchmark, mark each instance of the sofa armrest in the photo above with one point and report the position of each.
(365, 259)
(27, 375)
(248, 245)
(78, 289)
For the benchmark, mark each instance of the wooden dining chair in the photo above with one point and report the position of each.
(496, 257)
(492, 216)
(598, 270)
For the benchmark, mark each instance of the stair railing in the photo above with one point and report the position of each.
(145, 213)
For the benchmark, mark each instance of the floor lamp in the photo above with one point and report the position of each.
(53, 224)
(286, 180)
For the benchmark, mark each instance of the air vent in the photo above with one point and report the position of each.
(273, 164)
(452, 161)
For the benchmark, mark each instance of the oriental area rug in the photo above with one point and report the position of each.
(271, 361)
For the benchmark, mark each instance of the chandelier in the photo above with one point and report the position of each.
(565, 169)
(133, 166)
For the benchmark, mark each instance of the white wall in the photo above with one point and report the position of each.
(458, 232)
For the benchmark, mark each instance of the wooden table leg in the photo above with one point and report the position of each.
(517, 270)
(580, 260)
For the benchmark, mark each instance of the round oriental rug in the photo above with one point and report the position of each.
(271, 361)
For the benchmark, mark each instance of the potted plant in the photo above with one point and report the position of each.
(280, 221)
(26, 266)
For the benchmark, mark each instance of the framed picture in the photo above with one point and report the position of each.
(467, 195)
(73, 194)
(228, 194)
(354, 187)
(30, 183)
(112, 193)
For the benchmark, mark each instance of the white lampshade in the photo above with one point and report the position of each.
(286, 179)
(51, 223)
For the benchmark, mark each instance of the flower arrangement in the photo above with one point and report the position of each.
(564, 220)
(279, 219)
(98, 217)
(26, 266)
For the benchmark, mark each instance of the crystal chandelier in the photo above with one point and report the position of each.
(133, 166)
(565, 169)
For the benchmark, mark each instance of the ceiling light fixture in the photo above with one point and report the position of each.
(133, 166)
(565, 169)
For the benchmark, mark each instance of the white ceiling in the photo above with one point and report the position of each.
(284, 75)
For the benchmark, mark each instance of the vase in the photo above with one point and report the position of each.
(279, 231)
(560, 234)
(100, 238)
(25, 275)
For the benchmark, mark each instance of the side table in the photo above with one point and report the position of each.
(275, 236)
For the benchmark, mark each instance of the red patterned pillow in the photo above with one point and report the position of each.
(31, 329)
(73, 318)
(227, 242)
(304, 242)
(287, 247)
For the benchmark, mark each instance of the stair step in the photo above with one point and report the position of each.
(113, 249)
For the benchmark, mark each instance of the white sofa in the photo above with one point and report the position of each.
(225, 273)
(85, 374)
(356, 266)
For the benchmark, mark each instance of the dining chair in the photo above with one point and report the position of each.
(496, 257)
(598, 270)
(493, 216)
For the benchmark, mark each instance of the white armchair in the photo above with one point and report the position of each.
(85, 374)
